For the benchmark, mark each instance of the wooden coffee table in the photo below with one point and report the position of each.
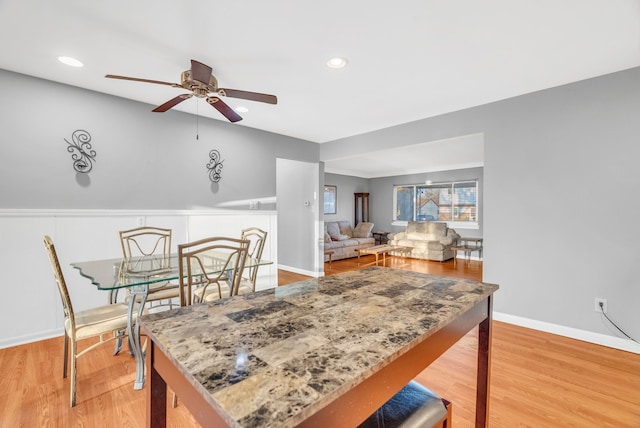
(384, 250)
(330, 254)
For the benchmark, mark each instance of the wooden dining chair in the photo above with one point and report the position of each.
(208, 264)
(151, 241)
(257, 238)
(414, 406)
(96, 322)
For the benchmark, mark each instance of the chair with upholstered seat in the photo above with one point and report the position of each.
(148, 241)
(257, 238)
(208, 265)
(96, 322)
(414, 406)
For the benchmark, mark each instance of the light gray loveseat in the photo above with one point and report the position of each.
(428, 240)
(340, 237)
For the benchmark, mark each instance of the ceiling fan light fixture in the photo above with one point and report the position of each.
(241, 109)
(337, 62)
(71, 62)
(195, 81)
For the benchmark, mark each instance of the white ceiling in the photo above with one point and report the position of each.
(455, 153)
(412, 60)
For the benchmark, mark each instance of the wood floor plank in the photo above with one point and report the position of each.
(537, 379)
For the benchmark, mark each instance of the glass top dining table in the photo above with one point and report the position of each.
(112, 274)
(137, 274)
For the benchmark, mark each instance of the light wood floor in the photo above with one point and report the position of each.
(537, 379)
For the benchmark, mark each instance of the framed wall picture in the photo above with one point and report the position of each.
(330, 199)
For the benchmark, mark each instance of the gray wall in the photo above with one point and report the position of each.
(346, 187)
(560, 185)
(144, 160)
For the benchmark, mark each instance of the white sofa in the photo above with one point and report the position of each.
(428, 240)
(343, 240)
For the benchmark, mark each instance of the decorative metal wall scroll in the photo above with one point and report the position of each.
(83, 154)
(214, 166)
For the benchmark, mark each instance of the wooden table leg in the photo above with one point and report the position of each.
(156, 394)
(484, 368)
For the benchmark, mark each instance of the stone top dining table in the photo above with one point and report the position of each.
(321, 352)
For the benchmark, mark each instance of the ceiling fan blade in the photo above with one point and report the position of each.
(200, 72)
(223, 108)
(135, 79)
(172, 102)
(246, 95)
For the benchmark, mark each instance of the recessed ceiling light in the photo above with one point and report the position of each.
(337, 62)
(70, 61)
(242, 109)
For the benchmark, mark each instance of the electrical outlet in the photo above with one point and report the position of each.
(598, 301)
(141, 221)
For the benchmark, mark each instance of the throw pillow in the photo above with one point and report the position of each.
(327, 238)
(340, 238)
(332, 229)
(345, 228)
(363, 230)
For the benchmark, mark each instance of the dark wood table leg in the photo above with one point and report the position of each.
(156, 394)
(484, 368)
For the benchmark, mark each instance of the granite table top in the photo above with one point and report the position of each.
(272, 358)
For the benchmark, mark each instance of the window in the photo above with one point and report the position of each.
(454, 202)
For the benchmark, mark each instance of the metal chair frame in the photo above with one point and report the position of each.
(198, 273)
(257, 238)
(148, 241)
(99, 321)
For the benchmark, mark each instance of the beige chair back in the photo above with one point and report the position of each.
(208, 262)
(257, 238)
(145, 241)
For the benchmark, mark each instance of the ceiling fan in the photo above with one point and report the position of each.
(203, 84)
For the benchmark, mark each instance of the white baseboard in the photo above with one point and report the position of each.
(573, 333)
(43, 335)
(301, 271)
